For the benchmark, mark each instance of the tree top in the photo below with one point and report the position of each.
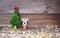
(16, 8)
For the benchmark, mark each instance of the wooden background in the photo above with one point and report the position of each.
(34, 18)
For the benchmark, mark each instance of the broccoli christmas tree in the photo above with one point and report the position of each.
(15, 19)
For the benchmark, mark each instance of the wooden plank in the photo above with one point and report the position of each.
(34, 19)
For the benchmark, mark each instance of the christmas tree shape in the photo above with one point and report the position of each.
(15, 19)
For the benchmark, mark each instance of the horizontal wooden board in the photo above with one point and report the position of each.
(34, 19)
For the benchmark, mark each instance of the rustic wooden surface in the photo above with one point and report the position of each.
(34, 18)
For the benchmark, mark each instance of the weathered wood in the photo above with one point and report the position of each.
(34, 19)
